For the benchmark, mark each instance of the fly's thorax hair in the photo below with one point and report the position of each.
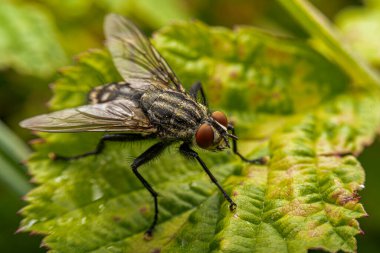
(175, 114)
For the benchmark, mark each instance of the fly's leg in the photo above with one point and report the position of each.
(148, 155)
(101, 145)
(194, 89)
(261, 160)
(187, 151)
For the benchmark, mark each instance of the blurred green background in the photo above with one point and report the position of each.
(37, 37)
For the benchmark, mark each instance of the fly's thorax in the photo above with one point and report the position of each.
(175, 114)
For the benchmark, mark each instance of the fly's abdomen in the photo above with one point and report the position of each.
(173, 113)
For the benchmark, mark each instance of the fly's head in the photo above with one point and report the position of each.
(213, 134)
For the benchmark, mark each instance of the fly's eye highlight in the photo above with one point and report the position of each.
(204, 136)
(220, 117)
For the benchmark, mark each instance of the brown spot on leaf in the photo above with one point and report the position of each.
(116, 218)
(233, 74)
(52, 156)
(356, 195)
(342, 197)
(337, 154)
(143, 210)
(345, 200)
(297, 208)
(156, 250)
(37, 141)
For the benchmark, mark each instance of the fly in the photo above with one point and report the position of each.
(149, 103)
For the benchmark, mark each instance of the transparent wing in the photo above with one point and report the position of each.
(115, 116)
(113, 91)
(137, 61)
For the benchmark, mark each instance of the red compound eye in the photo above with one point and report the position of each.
(205, 136)
(220, 117)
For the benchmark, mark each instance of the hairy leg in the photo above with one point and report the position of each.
(194, 89)
(101, 145)
(187, 151)
(148, 155)
(261, 160)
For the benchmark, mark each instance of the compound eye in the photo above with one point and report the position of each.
(205, 136)
(220, 117)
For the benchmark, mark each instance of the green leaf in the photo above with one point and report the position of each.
(287, 101)
(28, 42)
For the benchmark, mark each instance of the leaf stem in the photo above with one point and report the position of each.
(12, 152)
(11, 144)
(333, 46)
(9, 175)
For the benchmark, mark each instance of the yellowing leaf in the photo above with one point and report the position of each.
(360, 27)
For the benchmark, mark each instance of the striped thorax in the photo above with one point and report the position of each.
(175, 114)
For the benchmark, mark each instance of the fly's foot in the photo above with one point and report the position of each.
(259, 161)
(233, 206)
(54, 157)
(148, 235)
(263, 160)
